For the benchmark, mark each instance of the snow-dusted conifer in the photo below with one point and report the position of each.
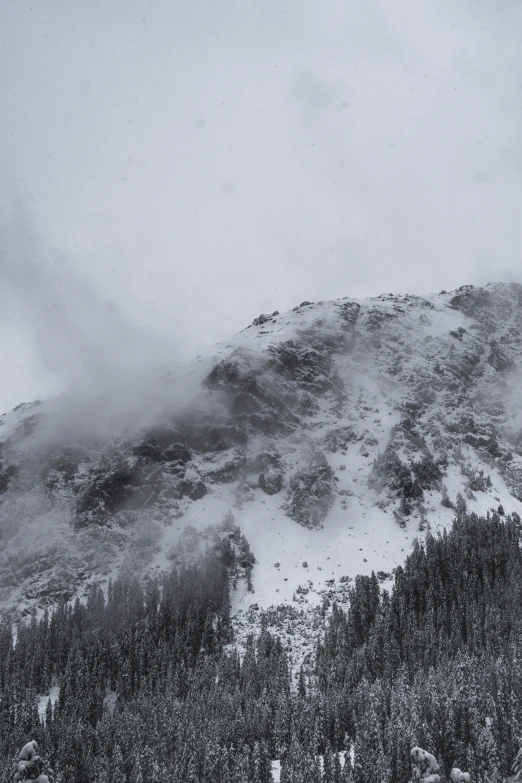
(517, 765)
(260, 764)
(488, 758)
(328, 764)
(337, 769)
(370, 761)
(117, 772)
(346, 774)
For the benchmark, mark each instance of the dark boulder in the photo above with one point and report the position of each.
(195, 489)
(271, 481)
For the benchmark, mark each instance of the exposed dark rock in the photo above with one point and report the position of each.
(428, 472)
(271, 397)
(193, 488)
(245, 403)
(376, 318)
(6, 474)
(349, 312)
(262, 319)
(470, 299)
(265, 460)
(459, 333)
(310, 367)
(339, 438)
(121, 486)
(163, 445)
(270, 424)
(212, 433)
(59, 469)
(257, 400)
(311, 492)
(224, 372)
(390, 472)
(28, 425)
(271, 481)
(231, 471)
(499, 360)
(27, 405)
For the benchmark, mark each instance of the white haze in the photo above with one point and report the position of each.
(108, 373)
(172, 168)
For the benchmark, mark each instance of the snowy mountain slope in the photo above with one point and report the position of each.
(332, 433)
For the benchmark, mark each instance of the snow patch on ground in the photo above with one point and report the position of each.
(53, 695)
(110, 699)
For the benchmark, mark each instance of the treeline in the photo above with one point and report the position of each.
(438, 662)
(435, 663)
(188, 709)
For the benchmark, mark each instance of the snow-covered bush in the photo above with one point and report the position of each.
(459, 777)
(30, 765)
(425, 766)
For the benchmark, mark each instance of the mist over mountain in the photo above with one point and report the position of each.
(333, 425)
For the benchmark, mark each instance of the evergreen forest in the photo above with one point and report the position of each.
(434, 662)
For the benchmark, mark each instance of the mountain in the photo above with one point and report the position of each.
(331, 436)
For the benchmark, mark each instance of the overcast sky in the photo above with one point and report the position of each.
(171, 168)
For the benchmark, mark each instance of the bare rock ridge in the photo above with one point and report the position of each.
(382, 414)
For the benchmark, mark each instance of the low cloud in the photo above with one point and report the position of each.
(105, 372)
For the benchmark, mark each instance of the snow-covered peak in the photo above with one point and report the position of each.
(335, 433)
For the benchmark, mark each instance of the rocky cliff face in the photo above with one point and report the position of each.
(340, 427)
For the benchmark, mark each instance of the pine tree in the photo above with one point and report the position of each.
(369, 761)
(211, 761)
(347, 772)
(328, 765)
(337, 769)
(240, 766)
(116, 767)
(487, 757)
(260, 765)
